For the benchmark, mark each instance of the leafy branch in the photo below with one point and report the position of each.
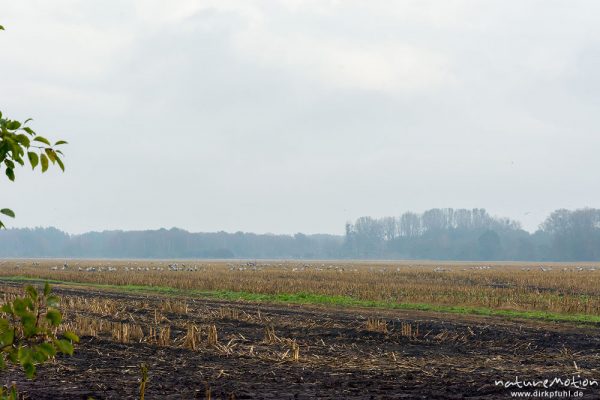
(20, 144)
(28, 327)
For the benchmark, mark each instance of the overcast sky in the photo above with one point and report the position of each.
(287, 116)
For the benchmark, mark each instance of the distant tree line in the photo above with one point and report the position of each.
(163, 243)
(461, 234)
(437, 234)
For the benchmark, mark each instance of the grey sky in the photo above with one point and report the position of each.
(286, 116)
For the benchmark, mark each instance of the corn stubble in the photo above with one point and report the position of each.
(560, 288)
(186, 323)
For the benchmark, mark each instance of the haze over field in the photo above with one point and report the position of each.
(333, 199)
(442, 234)
(296, 116)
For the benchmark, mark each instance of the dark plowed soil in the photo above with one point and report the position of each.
(450, 357)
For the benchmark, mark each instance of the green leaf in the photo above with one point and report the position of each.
(32, 292)
(54, 317)
(42, 139)
(23, 139)
(8, 212)
(24, 354)
(60, 164)
(19, 307)
(13, 355)
(7, 308)
(13, 125)
(7, 338)
(60, 142)
(33, 159)
(52, 301)
(29, 303)
(46, 289)
(4, 325)
(29, 130)
(38, 355)
(29, 369)
(51, 155)
(29, 324)
(10, 173)
(71, 336)
(64, 346)
(44, 161)
(1, 29)
(48, 349)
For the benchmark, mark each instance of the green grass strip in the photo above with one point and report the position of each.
(311, 298)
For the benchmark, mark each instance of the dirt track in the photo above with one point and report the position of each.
(451, 356)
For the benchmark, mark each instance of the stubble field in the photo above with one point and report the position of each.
(314, 330)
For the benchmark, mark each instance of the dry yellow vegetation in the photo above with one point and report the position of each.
(560, 288)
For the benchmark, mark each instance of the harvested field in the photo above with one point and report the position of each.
(569, 289)
(277, 329)
(198, 348)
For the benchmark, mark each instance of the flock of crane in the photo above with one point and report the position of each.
(109, 268)
(301, 267)
(564, 269)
